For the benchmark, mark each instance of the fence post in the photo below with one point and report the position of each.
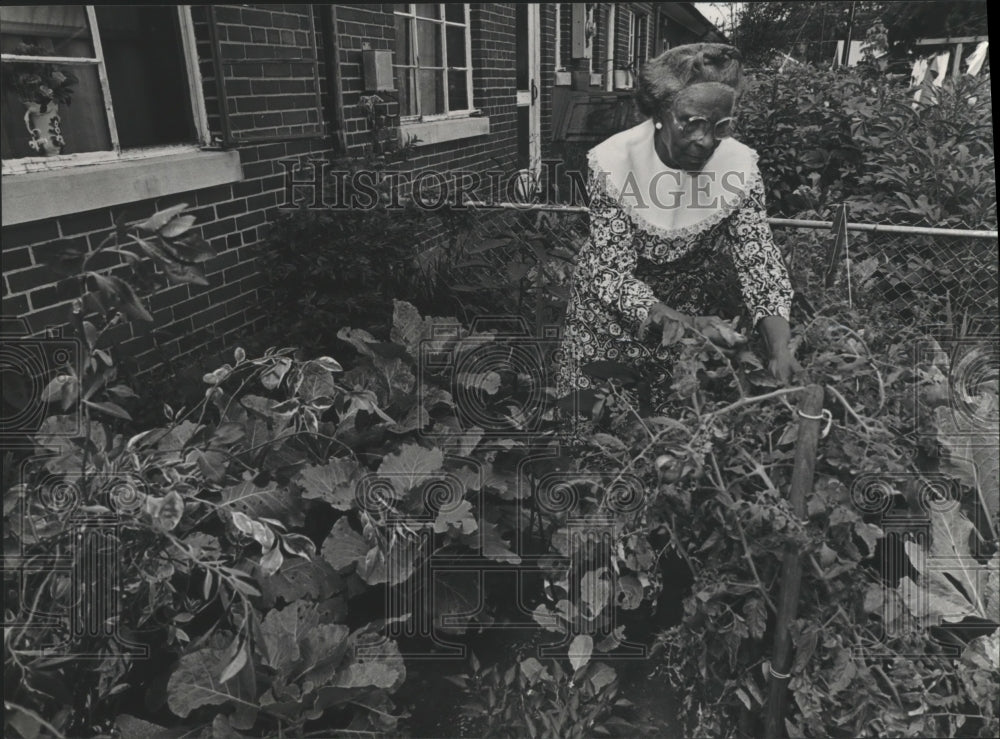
(838, 248)
(810, 412)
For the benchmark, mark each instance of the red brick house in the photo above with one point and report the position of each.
(207, 104)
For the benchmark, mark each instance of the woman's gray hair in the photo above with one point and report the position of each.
(662, 77)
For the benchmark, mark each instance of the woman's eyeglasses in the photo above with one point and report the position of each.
(697, 127)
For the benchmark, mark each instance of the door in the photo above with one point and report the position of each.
(529, 122)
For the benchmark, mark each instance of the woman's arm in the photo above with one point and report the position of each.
(767, 290)
(606, 265)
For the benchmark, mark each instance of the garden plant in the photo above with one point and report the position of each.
(256, 563)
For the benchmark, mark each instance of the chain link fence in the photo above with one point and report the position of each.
(917, 271)
(525, 253)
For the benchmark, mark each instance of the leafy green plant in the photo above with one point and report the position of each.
(335, 266)
(207, 548)
(536, 700)
(826, 137)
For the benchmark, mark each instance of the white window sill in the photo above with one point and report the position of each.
(437, 132)
(33, 196)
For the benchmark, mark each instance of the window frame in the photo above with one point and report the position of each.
(636, 51)
(590, 14)
(116, 153)
(639, 40)
(560, 63)
(410, 14)
(630, 35)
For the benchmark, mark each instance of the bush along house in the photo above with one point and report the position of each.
(112, 113)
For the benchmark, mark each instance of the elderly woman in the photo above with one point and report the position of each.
(678, 232)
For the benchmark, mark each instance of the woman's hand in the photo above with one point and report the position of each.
(777, 334)
(671, 322)
(783, 365)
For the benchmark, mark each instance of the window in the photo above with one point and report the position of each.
(563, 29)
(637, 51)
(433, 61)
(638, 38)
(590, 33)
(639, 42)
(90, 83)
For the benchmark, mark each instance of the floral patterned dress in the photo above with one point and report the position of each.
(725, 264)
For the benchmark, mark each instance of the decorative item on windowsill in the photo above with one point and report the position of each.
(42, 87)
(624, 77)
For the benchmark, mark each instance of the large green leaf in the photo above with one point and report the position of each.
(416, 419)
(298, 578)
(952, 584)
(398, 382)
(358, 338)
(180, 274)
(344, 546)
(488, 382)
(373, 665)
(493, 545)
(374, 661)
(411, 466)
(396, 567)
(333, 482)
(974, 459)
(266, 501)
(161, 218)
(595, 591)
(176, 438)
(282, 631)
(305, 652)
(323, 648)
(457, 600)
(196, 682)
(413, 331)
(316, 382)
(580, 650)
(458, 519)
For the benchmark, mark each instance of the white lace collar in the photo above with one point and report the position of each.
(670, 202)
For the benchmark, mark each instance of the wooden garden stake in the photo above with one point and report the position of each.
(810, 413)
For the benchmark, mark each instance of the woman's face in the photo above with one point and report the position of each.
(711, 101)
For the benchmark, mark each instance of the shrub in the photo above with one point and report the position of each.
(327, 268)
(831, 136)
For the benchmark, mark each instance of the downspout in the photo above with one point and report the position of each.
(334, 83)
(220, 81)
(609, 73)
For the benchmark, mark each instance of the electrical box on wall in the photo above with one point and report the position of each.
(377, 69)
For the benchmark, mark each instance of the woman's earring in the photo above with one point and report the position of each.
(658, 126)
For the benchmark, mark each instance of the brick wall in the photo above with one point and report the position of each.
(270, 57)
(270, 71)
(622, 36)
